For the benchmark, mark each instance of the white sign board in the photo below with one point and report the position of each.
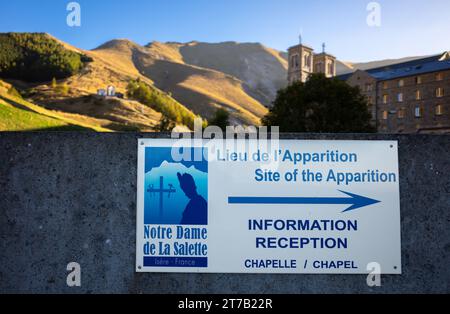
(295, 207)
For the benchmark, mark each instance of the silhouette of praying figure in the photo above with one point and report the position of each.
(196, 211)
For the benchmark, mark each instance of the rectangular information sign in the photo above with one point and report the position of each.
(298, 206)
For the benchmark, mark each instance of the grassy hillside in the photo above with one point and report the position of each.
(115, 114)
(109, 67)
(15, 119)
(75, 97)
(177, 90)
(36, 57)
(17, 114)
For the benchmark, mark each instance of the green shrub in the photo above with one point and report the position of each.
(165, 125)
(62, 89)
(86, 59)
(220, 119)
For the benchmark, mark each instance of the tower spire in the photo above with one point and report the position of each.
(323, 47)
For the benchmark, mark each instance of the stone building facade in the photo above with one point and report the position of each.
(409, 97)
(368, 86)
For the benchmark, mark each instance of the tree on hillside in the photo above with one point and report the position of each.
(220, 119)
(165, 125)
(159, 101)
(62, 89)
(36, 57)
(320, 105)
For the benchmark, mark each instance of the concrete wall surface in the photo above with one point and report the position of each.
(72, 197)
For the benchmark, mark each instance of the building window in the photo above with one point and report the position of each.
(369, 87)
(385, 99)
(385, 115)
(418, 94)
(385, 85)
(418, 80)
(439, 92)
(401, 83)
(401, 113)
(307, 61)
(439, 111)
(331, 68)
(439, 76)
(418, 112)
(294, 61)
(400, 97)
(319, 67)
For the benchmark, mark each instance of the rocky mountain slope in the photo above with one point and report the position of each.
(203, 90)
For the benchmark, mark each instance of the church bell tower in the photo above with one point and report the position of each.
(325, 63)
(301, 62)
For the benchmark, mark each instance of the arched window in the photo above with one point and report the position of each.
(331, 68)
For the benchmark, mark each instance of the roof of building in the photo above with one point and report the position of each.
(324, 54)
(345, 76)
(410, 68)
(301, 45)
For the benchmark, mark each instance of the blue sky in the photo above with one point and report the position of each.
(408, 27)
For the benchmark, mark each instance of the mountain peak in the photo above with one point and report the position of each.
(118, 44)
